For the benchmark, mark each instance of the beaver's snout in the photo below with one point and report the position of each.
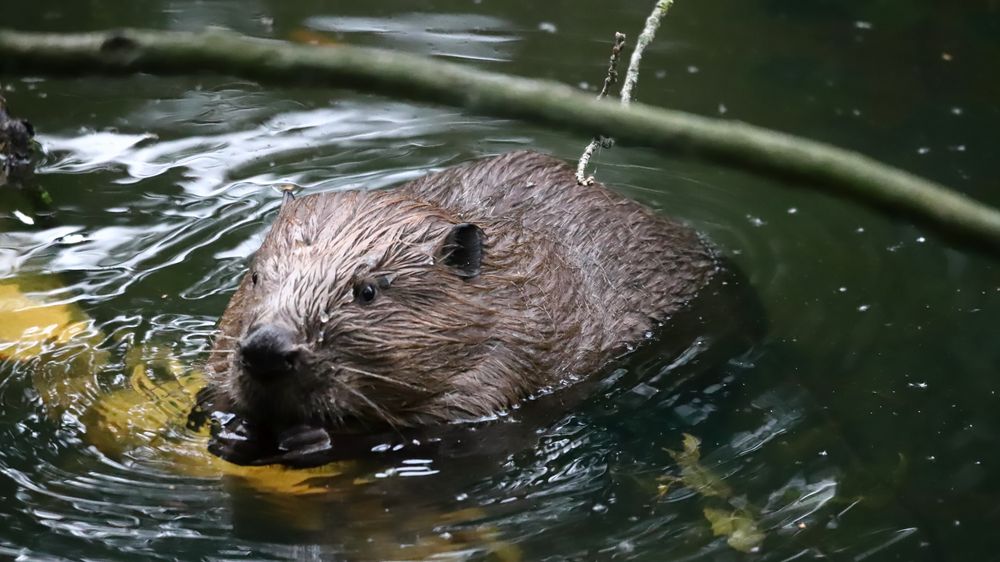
(268, 352)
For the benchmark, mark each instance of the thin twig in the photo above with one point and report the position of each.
(631, 78)
(645, 38)
(600, 140)
(807, 163)
(612, 78)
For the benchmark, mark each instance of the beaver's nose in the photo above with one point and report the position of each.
(268, 352)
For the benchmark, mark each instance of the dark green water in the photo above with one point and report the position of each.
(863, 426)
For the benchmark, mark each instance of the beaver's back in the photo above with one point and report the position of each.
(630, 266)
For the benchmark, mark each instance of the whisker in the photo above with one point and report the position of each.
(375, 407)
(382, 378)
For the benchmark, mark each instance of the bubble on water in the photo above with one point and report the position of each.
(957, 111)
(756, 221)
(842, 289)
(792, 210)
(923, 150)
(693, 69)
(547, 27)
(861, 24)
(863, 308)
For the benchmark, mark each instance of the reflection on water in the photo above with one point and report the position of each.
(860, 425)
(451, 35)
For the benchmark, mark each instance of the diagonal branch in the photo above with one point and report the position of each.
(403, 76)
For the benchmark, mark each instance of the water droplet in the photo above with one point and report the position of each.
(547, 27)
(693, 69)
(921, 239)
(923, 150)
(957, 111)
(792, 210)
(24, 218)
(842, 289)
(863, 308)
(861, 24)
(723, 109)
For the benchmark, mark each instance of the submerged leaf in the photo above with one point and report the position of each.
(737, 523)
(737, 526)
(27, 322)
(694, 475)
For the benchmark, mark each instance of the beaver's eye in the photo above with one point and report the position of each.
(254, 278)
(365, 292)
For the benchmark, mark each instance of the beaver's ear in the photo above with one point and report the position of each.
(462, 250)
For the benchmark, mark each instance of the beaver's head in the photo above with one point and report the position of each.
(374, 308)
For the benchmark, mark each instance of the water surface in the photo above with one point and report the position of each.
(863, 425)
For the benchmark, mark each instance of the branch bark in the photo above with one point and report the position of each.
(400, 75)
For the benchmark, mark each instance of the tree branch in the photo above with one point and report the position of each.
(400, 75)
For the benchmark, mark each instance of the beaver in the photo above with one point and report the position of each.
(451, 297)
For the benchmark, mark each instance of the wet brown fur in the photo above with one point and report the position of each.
(571, 276)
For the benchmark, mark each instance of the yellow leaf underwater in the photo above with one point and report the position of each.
(694, 475)
(28, 322)
(736, 524)
(740, 529)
